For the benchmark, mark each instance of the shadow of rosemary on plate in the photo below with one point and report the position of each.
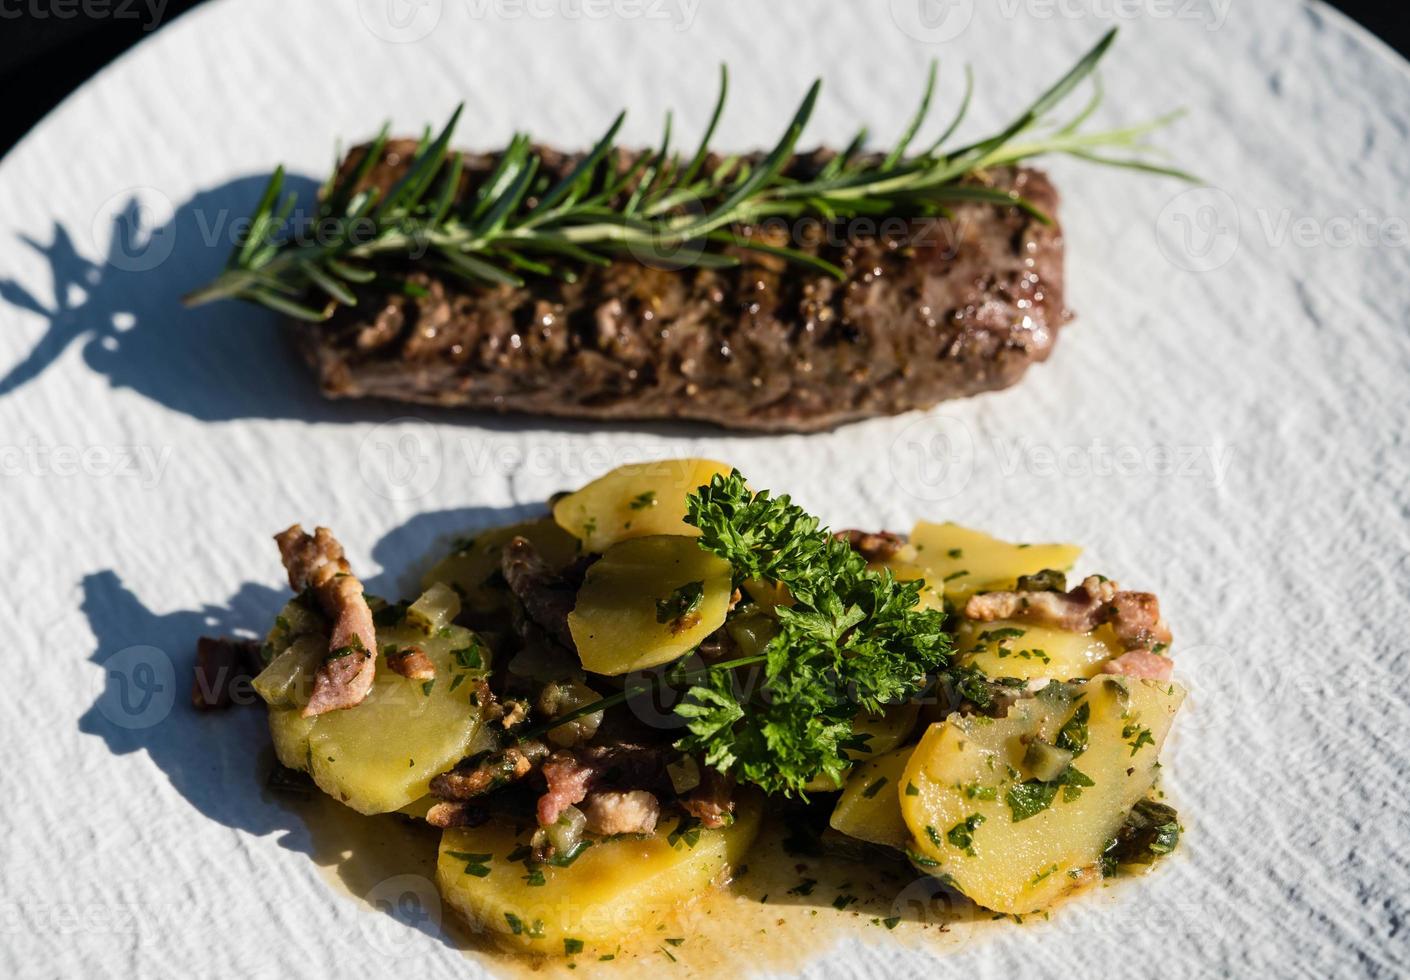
(214, 364)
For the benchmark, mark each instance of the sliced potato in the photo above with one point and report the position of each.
(768, 596)
(960, 562)
(883, 732)
(647, 601)
(874, 735)
(473, 569)
(381, 755)
(869, 808)
(610, 892)
(635, 501)
(1007, 648)
(1013, 844)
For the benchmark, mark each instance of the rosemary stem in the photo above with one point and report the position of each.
(516, 216)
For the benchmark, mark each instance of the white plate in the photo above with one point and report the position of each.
(1225, 422)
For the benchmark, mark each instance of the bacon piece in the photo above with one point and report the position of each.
(1134, 616)
(224, 669)
(412, 663)
(1136, 620)
(611, 812)
(547, 599)
(456, 815)
(572, 774)
(317, 562)
(874, 546)
(482, 774)
(711, 802)
(1079, 610)
(568, 778)
(1141, 663)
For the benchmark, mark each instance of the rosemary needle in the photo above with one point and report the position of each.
(518, 219)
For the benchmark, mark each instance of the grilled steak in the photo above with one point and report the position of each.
(931, 309)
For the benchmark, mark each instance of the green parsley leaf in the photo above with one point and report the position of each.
(853, 640)
(1028, 799)
(961, 835)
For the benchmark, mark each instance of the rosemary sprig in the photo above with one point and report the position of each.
(518, 220)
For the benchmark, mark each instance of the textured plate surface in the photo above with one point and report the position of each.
(1225, 423)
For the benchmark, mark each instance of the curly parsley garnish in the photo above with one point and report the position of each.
(852, 640)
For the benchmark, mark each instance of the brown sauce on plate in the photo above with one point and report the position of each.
(781, 911)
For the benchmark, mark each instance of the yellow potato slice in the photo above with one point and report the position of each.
(607, 895)
(381, 755)
(646, 602)
(875, 735)
(473, 570)
(635, 501)
(869, 807)
(971, 776)
(960, 562)
(1007, 648)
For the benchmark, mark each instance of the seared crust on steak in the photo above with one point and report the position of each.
(930, 309)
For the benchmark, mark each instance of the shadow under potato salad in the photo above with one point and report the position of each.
(597, 706)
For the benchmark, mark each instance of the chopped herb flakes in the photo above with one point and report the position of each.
(468, 658)
(567, 858)
(874, 788)
(680, 604)
(920, 860)
(1142, 737)
(686, 832)
(961, 835)
(1045, 873)
(1073, 735)
(475, 864)
(572, 947)
(1028, 799)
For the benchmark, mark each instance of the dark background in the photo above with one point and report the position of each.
(43, 59)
